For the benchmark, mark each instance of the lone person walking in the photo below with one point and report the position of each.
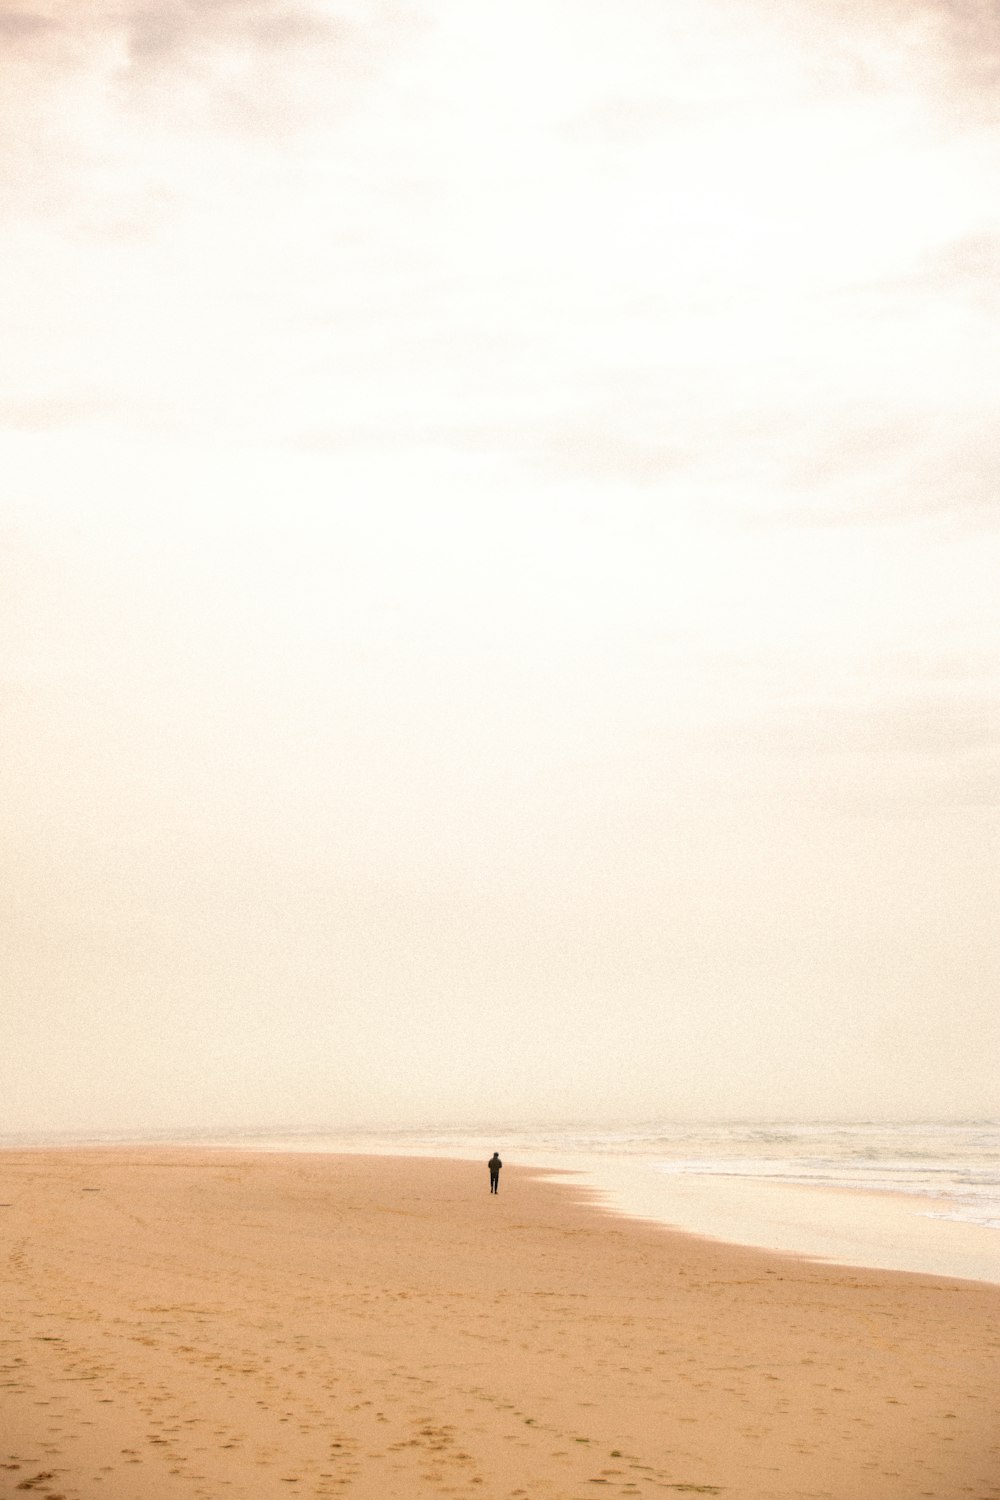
(494, 1165)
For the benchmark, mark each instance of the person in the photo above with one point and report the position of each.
(494, 1165)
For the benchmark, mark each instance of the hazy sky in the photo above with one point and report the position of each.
(501, 539)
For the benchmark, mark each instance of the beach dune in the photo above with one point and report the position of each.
(199, 1323)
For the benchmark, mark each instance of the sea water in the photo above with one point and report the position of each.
(952, 1169)
(921, 1196)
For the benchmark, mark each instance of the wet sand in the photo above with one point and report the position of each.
(194, 1323)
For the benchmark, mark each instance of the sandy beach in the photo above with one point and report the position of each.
(192, 1323)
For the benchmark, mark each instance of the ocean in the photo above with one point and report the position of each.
(922, 1196)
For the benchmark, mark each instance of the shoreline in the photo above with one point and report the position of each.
(829, 1225)
(183, 1321)
(825, 1223)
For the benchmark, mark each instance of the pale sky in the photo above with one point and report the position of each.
(500, 534)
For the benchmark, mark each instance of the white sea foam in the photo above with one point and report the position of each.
(738, 1181)
(957, 1165)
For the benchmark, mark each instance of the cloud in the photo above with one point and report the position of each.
(966, 34)
(938, 41)
(19, 26)
(174, 31)
(912, 750)
(165, 33)
(122, 121)
(902, 466)
(598, 451)
(966, 270)
(243, 63)
(577, 444)
(47, 413)
(941, 726)
(781, 463)
(618, 121)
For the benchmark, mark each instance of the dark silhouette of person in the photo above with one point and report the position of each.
(494, 1165)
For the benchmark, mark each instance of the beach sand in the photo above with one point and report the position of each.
(201, 1323)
